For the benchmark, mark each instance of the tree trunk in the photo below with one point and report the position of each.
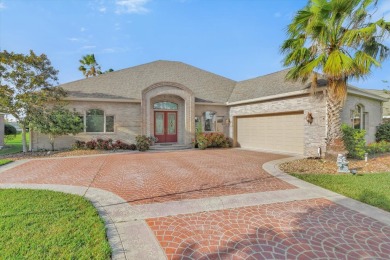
(335, 98)
(24, 139)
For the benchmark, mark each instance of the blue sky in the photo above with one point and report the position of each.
(238, 39)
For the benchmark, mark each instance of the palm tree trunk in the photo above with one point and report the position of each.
(336, 95)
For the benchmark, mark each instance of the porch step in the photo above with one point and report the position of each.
(169, 146)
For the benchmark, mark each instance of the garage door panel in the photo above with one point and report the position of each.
(282, 133)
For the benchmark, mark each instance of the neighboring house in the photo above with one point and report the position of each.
(170, 100)
(16, 125)
(386, 105)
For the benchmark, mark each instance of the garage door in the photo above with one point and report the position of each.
(281, 133)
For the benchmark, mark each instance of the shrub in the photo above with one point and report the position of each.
(79, 145)
(354, 141)
(379, 147)
(91, 144)
(143, 142)
(102, 144)
(383, 132)
(204, 140)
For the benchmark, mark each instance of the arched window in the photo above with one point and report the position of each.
(165, 106)
(97, 122)
(359, 117)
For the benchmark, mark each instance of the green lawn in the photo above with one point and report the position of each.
(373, 189)
(14, 145)
(37, 224)
(4, 161)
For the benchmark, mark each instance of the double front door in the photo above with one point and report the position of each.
(165, 126)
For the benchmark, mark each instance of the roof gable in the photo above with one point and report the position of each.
(129, 83)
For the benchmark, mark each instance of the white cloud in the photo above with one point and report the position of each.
(2, 5)
(74, 39)
(88, 47)
(82, 29)
(131, 6)
(102, 9)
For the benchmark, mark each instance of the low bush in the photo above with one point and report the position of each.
(379, 147)
(383, 132)
(142, 142)
(354, 141)
(205, 140)
(102, 144)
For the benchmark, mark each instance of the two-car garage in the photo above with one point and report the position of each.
(272, 132)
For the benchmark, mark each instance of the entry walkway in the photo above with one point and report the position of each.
(288, 218)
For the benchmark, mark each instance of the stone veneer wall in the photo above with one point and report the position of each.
(314, 134)
(374, 109)
(127, 124)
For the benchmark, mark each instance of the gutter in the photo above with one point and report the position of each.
(125, 100)
(362, 93)
(294, 93)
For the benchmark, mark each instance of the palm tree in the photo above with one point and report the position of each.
(338, 39)
(89, 67)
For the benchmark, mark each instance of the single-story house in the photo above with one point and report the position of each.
(386, 105)
(172, 100)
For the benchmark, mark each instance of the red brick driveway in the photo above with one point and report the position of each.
(300, 229)
(157, 177)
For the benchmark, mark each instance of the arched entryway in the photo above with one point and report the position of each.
(168, 113)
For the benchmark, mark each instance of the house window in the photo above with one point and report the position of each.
(359, 118)
(209, 121)
(198, 124)
(97, 122)
(165, 106)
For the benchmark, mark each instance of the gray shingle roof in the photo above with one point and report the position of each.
(207, 87)
(129, 83)
(268, 85)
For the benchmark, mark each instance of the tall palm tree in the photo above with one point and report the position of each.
(89, 67)
(338, 39)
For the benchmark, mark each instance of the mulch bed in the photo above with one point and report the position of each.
(48, 154)
(375, 164)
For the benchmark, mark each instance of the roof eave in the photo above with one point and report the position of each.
(362, 93)
(124, 100)
(283, 95)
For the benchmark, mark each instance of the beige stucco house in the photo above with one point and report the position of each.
(171, 100)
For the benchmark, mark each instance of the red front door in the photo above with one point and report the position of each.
(165, 126)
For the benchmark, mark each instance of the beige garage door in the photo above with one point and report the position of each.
(282, 133)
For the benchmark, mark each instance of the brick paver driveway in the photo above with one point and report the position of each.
(258, 216)
(157, 177)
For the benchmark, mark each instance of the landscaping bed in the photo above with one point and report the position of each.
(375, 164)
(48, 154)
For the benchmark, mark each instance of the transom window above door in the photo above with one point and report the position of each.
(165, 105)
